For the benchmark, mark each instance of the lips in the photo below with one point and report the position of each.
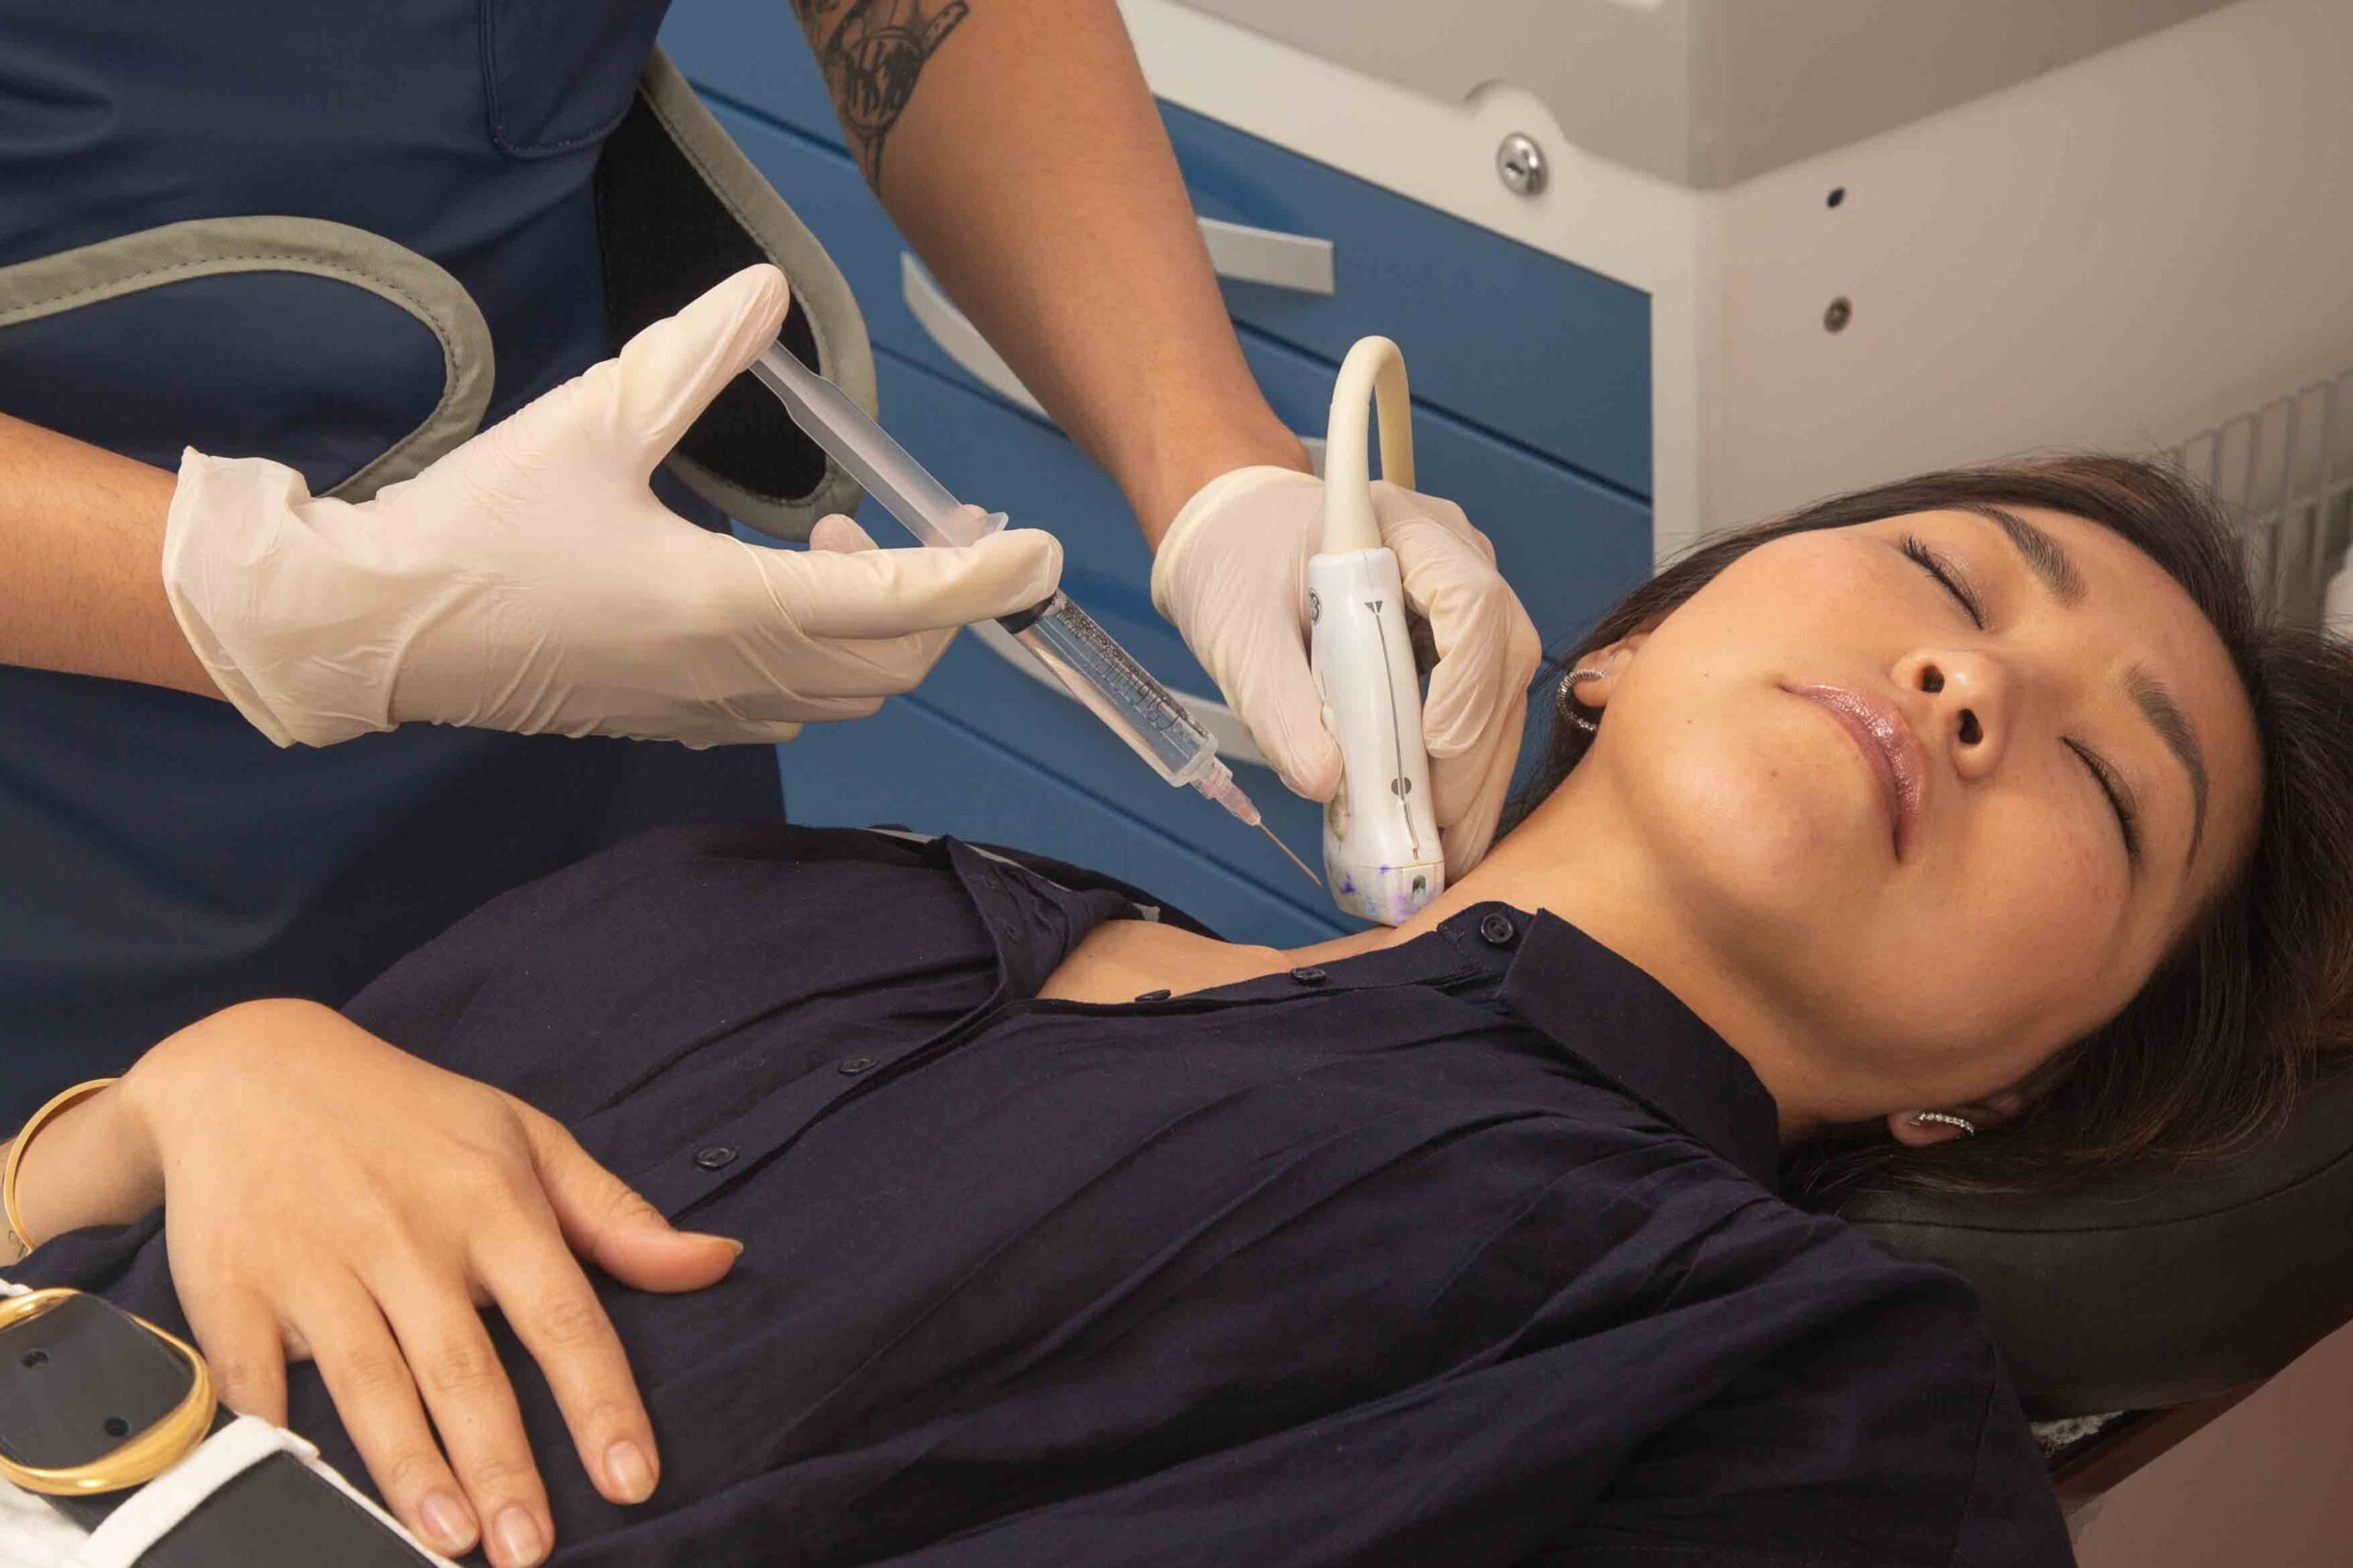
(1888, 745)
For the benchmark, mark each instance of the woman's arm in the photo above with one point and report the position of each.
(328, 1196)
(1033, 175)
(90, 1164)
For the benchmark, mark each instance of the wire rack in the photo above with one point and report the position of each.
(2286, 473)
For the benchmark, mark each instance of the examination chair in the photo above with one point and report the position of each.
(2150, 1302)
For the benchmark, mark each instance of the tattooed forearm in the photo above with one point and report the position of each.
(871, 60)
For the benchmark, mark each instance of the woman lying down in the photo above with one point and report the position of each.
(1972, 828)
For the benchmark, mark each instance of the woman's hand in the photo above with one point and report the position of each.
(329, 1195)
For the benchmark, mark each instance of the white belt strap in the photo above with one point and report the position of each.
(149, 1513)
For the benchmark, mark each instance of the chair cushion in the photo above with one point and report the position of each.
(2153, 1289)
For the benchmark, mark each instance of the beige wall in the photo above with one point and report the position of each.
(2268, 1485)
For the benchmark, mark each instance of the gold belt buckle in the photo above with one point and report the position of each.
(140, 1458)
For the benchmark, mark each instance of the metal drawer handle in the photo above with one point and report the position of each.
(1233, 741)
(1298, 262)
(958, 338)
(953, 331)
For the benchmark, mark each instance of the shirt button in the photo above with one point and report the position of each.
(1497, 929)
(1160, 995)
(1310, 975)
(852, 1066)
(716, 1158)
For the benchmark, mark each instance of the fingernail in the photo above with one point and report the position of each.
(731, 1241)
(446, 1521)
(519, 1538)
(626, 1468)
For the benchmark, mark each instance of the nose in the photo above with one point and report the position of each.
(1968, 704)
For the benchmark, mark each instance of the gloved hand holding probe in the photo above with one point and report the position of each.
(1232, 575)
(530, 581)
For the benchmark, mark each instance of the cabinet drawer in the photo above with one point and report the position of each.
(1539, 351)
(916, 763)
(1524, 344)
(1570, 547)
(753, 52)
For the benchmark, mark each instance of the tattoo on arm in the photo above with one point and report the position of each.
(872, 59)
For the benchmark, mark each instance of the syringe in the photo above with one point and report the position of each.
(1092, 666)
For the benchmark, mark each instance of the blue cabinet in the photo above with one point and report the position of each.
(1539, 351)
(1532, 389)
(1570, 544)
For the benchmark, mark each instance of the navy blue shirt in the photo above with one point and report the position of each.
(1466, 1251)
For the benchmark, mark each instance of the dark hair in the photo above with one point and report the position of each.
(2252, 1003)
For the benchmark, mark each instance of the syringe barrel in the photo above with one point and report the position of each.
(1121, 692)
(1081, 655)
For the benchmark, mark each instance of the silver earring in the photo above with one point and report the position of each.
(1944, 1118)
(1568, 698)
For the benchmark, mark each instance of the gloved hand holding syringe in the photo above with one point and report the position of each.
(1065, 639)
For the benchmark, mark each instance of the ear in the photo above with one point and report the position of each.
(1984, 1114)
(1611, 661)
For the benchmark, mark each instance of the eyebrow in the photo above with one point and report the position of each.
(2050, 562)
(2043, 555)
(2165, 716)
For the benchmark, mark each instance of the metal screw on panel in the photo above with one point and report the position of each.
(1839, 313)
(1520, 162)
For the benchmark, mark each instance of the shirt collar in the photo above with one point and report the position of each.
(1594, 1005)
(1614, 1017)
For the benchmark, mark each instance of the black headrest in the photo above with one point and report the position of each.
(2153, 1289)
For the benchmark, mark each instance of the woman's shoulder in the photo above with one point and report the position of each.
(627, 915)
(1810, 1385)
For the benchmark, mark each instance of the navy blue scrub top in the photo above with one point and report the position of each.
(159, 858)
(1466, 1251)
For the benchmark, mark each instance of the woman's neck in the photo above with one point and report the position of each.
(1566, 860)
(1123, 960)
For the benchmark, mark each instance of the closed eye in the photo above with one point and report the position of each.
(2120, 796)
(1937, 566)
(2119, 799)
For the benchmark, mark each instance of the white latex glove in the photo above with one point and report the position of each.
(1232, 574)
(530, 580)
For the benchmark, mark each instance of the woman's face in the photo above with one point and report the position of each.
(1945, 787)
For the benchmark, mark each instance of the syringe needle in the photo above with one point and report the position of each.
(1288, 855)
(1218, 785)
